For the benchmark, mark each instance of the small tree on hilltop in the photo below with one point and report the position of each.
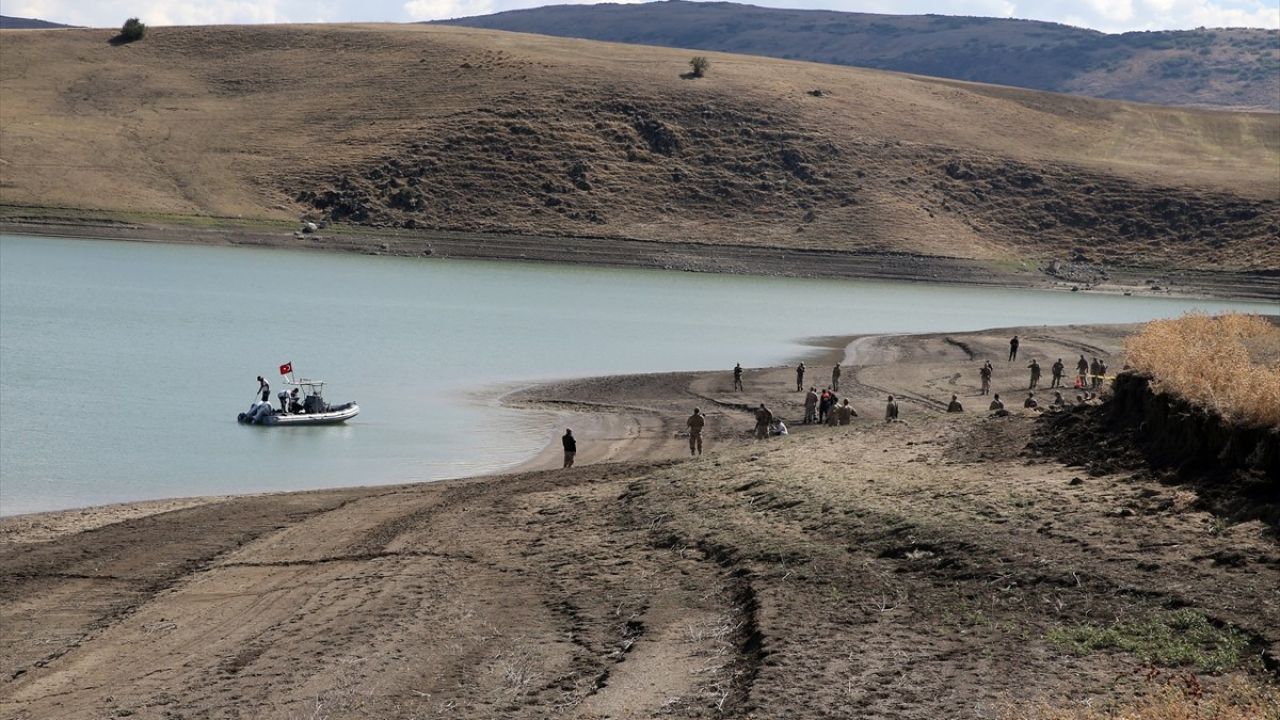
(698, 66)
(133, 30)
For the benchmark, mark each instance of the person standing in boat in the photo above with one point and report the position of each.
(570, 447)
(264, 389)
(283, 397)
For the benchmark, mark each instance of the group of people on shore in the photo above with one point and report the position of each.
(825, 407)
(1089, 375)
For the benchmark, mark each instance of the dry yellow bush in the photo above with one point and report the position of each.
(1223, 363)
(1239, 699)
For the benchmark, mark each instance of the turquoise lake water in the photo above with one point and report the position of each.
(123, 365)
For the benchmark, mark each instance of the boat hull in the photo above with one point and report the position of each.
(334, 416)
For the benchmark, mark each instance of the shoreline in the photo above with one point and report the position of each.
(734, 583)
(647, 254)
(631, 432)
(623, 426)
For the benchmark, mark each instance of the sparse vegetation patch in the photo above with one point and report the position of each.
(1174, 698)
(1181, 638)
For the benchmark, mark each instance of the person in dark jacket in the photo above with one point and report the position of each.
(570, 447)
(1013, 349)
(1057, 370)
(695, 423)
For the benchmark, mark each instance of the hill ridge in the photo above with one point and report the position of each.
(8, 22)
(1236, 67)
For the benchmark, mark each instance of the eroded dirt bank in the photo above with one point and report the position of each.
(667, 255)
(909, 570)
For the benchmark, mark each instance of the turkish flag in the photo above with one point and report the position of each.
(286, 368)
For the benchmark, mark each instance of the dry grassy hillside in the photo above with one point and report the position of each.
(1221, 67)
(437, 127)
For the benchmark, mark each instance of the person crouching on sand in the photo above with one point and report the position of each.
(570, 447)
(763, 420)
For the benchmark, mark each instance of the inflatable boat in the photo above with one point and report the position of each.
(310, 410)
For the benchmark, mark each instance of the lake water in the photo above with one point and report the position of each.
(123, 365)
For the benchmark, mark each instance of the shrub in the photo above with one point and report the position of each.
(1229, 364)
(699, 66)
(133, 30)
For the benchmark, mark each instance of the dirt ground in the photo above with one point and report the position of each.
(904, 570)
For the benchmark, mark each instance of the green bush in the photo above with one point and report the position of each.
(133, 30)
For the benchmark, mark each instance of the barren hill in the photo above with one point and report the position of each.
(430, 127)
(1224, 67)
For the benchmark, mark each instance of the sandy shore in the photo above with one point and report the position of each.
(909, 570)
(690, 257)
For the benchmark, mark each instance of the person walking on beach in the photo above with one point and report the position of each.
(763, 419)
(835, 378)
(800, 377)
(264, 389)
(1035, 374)
(985, 375)
(737, 376)
(1082, 369)
(696, 422)
(824, 405)
(1057, 371)
(570, 447)
(1095, 373)
(890, 410)
(1013, 349)
(811, 406)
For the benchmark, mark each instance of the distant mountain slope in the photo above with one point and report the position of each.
(1237, 68)
(17, 23)
(425, 127)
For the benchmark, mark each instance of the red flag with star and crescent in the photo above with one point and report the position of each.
(286, 368)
